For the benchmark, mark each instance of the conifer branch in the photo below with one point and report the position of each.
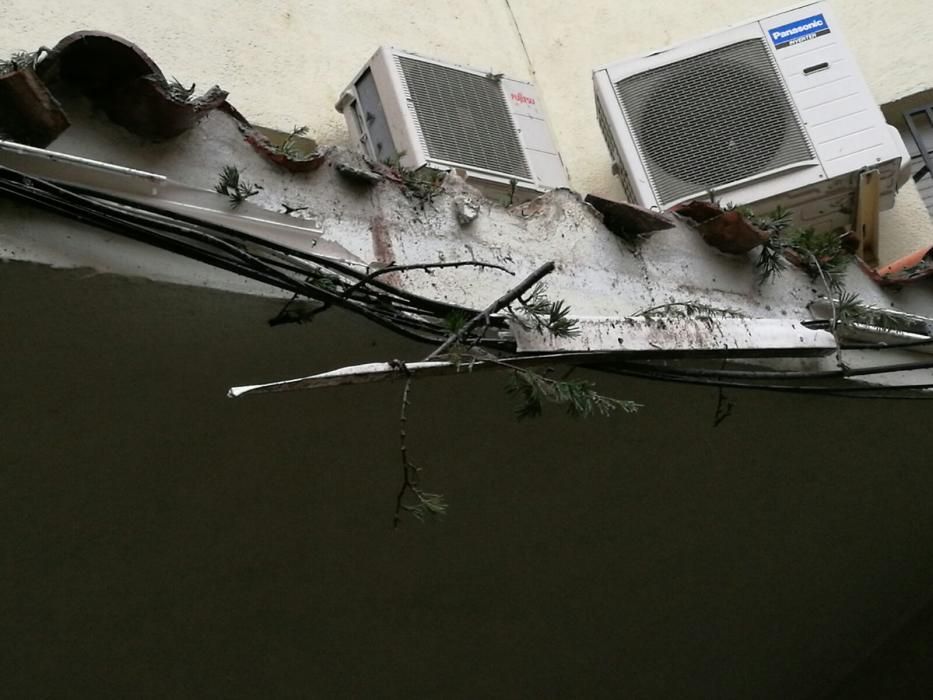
(233, 187)
(578, 397)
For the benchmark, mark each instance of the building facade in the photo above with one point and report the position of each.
(161, 540)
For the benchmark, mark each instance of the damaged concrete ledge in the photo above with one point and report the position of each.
(612, 260)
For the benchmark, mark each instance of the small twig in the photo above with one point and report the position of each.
(407, 483)
(724, 405)
(832, 305)
(283, 316)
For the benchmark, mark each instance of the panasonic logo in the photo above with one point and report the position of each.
(793, 31)
(799, 31)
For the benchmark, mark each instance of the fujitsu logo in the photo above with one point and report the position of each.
(522, 99)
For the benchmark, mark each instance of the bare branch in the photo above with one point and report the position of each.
(499, 304)
(834, 323)
(432, 503)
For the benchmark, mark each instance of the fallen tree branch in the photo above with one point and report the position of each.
(433, 503)
(499, 304)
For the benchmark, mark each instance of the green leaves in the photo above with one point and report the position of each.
(578, 397)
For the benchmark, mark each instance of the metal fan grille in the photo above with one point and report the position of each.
(463, 118)
(712, 119)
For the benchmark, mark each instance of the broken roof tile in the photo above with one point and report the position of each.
(726, 230)
(628, 220)
(29, 113)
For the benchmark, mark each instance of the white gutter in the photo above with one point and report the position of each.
(159, 192)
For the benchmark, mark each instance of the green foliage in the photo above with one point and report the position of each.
(422, 183)
(821, 254)
(851, 309)
(825, 246)
(776, 222)
(771, 260)
(179, 92)
(578, 397)
(687, 309)
(289, 147)
(233, 187)
(531, 389)
(18, 60)
(538, 312)
(455, 321)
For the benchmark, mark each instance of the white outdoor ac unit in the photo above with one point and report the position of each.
(425, 112)
(771, 112)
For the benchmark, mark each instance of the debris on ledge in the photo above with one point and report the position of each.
(409, 250)
(467, 208)
(353, 167)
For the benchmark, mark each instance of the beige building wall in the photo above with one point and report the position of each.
(285, 62)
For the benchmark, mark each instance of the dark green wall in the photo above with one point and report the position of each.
(160, 540)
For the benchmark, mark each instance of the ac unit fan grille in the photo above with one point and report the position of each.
(712, 119)
(464, 118)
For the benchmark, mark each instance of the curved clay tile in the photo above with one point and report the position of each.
(121, 79)
(28, 112)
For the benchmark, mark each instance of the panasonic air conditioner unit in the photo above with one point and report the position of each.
(425, 112)
(771, 112)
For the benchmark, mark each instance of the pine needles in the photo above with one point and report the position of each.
(539, 313)
(18, 60)
(686, 309)
(236, 189)
(529, 388)
(578, 397)
(850, 309)
(178, 91)
(802, 246)
(289, 147)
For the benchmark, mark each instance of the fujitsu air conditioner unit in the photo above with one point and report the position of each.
(772, 112)
(425, 112)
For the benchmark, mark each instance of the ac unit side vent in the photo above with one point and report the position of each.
(712, 119)
(463, 118)
(614, 151)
